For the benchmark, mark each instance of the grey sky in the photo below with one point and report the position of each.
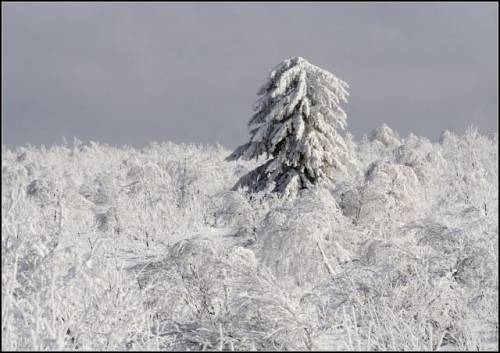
(130, 73)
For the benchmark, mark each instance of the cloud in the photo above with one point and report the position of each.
(129, 73)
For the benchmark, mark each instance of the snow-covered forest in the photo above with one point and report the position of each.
(107, 248)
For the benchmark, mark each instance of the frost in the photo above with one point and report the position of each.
(385, 135)
(109, 248)
(295, 124)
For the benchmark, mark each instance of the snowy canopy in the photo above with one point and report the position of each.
(294, 124)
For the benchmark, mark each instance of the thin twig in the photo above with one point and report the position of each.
(325, 261)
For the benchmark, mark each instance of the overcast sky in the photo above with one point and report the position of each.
(130, 73)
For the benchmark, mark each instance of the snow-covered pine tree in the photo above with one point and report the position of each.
(294, 125)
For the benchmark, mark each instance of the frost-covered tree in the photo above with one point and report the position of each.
(295, 125)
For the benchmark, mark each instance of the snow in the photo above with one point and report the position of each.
(108, 248)
(295, 122)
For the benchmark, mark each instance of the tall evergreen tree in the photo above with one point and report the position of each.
(294, 125)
